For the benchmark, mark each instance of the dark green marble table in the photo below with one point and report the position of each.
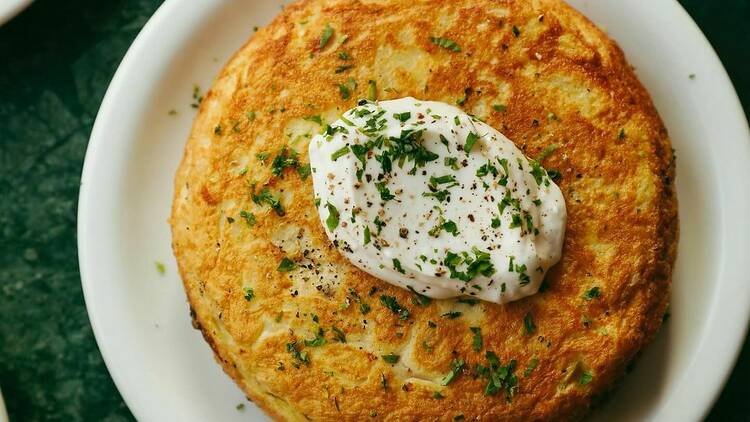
(56, 60)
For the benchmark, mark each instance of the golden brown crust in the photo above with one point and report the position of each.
(563, 82)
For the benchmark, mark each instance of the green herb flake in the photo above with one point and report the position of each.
(249, 294)
(340, 153)
(452, 314)
(286, 265)
(585, 378)
(160, 267)
(391, 303)
(451, 227)
(397, 266)
(446, 43)
(500, 108)
(343, 68)
(533, 363)
(592, 293)
(318, 341)
(476, 342)
(402, 117)
(333, 217)
(326, 36)
(456, 366)
(345, 89)
(385, 193)
(266, 197)
(372, 90)
(299, 357)
(391, 358)
(343, 55)
(248, 217)
(528, 324)
(437, 396)
(471, 139)
(315, 119)
(338, 335)
(516, 31)
(367, 236)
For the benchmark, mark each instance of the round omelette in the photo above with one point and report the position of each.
(309, 336)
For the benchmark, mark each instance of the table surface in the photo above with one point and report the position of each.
(50, 90)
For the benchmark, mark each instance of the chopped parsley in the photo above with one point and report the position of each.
(450, 227)
(476, 342)
(286, 158)
(528, 324)
(338, 335)
(343, 55)
(397, 266)
(372, 90)
(318, 341)
(333, 217)
(446, 43)
(385, 193)
(499, 377)
(456, 366)
(343, 68)
(479, 264)
(402, 117)
(437, 396)
(340, 153)
(345, 89)
(500, 108)
(471, 139)
(160, 267)
(315, 119)
(516, 31)
(266, 197)
(530, 367)
(299, 357)
(391, 303)
(326, 36)
(367, 236)
(452, 314)
(286, 265)
(248, 217)
(591, 293)
(585, 378)
(391, 358)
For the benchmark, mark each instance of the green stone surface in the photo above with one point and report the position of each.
(56, 60)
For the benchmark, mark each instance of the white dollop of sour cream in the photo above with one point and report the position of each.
(429, 198)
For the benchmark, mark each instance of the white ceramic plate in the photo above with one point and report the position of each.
(10, 8)
(162, 366)
(3, 413)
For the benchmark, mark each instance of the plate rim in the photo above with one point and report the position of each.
(8, 13)
(713, 375)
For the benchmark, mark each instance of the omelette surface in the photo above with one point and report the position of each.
(307, 335)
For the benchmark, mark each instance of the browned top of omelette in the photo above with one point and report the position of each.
(311, 336)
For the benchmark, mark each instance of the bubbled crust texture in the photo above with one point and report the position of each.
(617, 177)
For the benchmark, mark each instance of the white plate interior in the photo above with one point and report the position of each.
(10, 8)
(163, 367)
